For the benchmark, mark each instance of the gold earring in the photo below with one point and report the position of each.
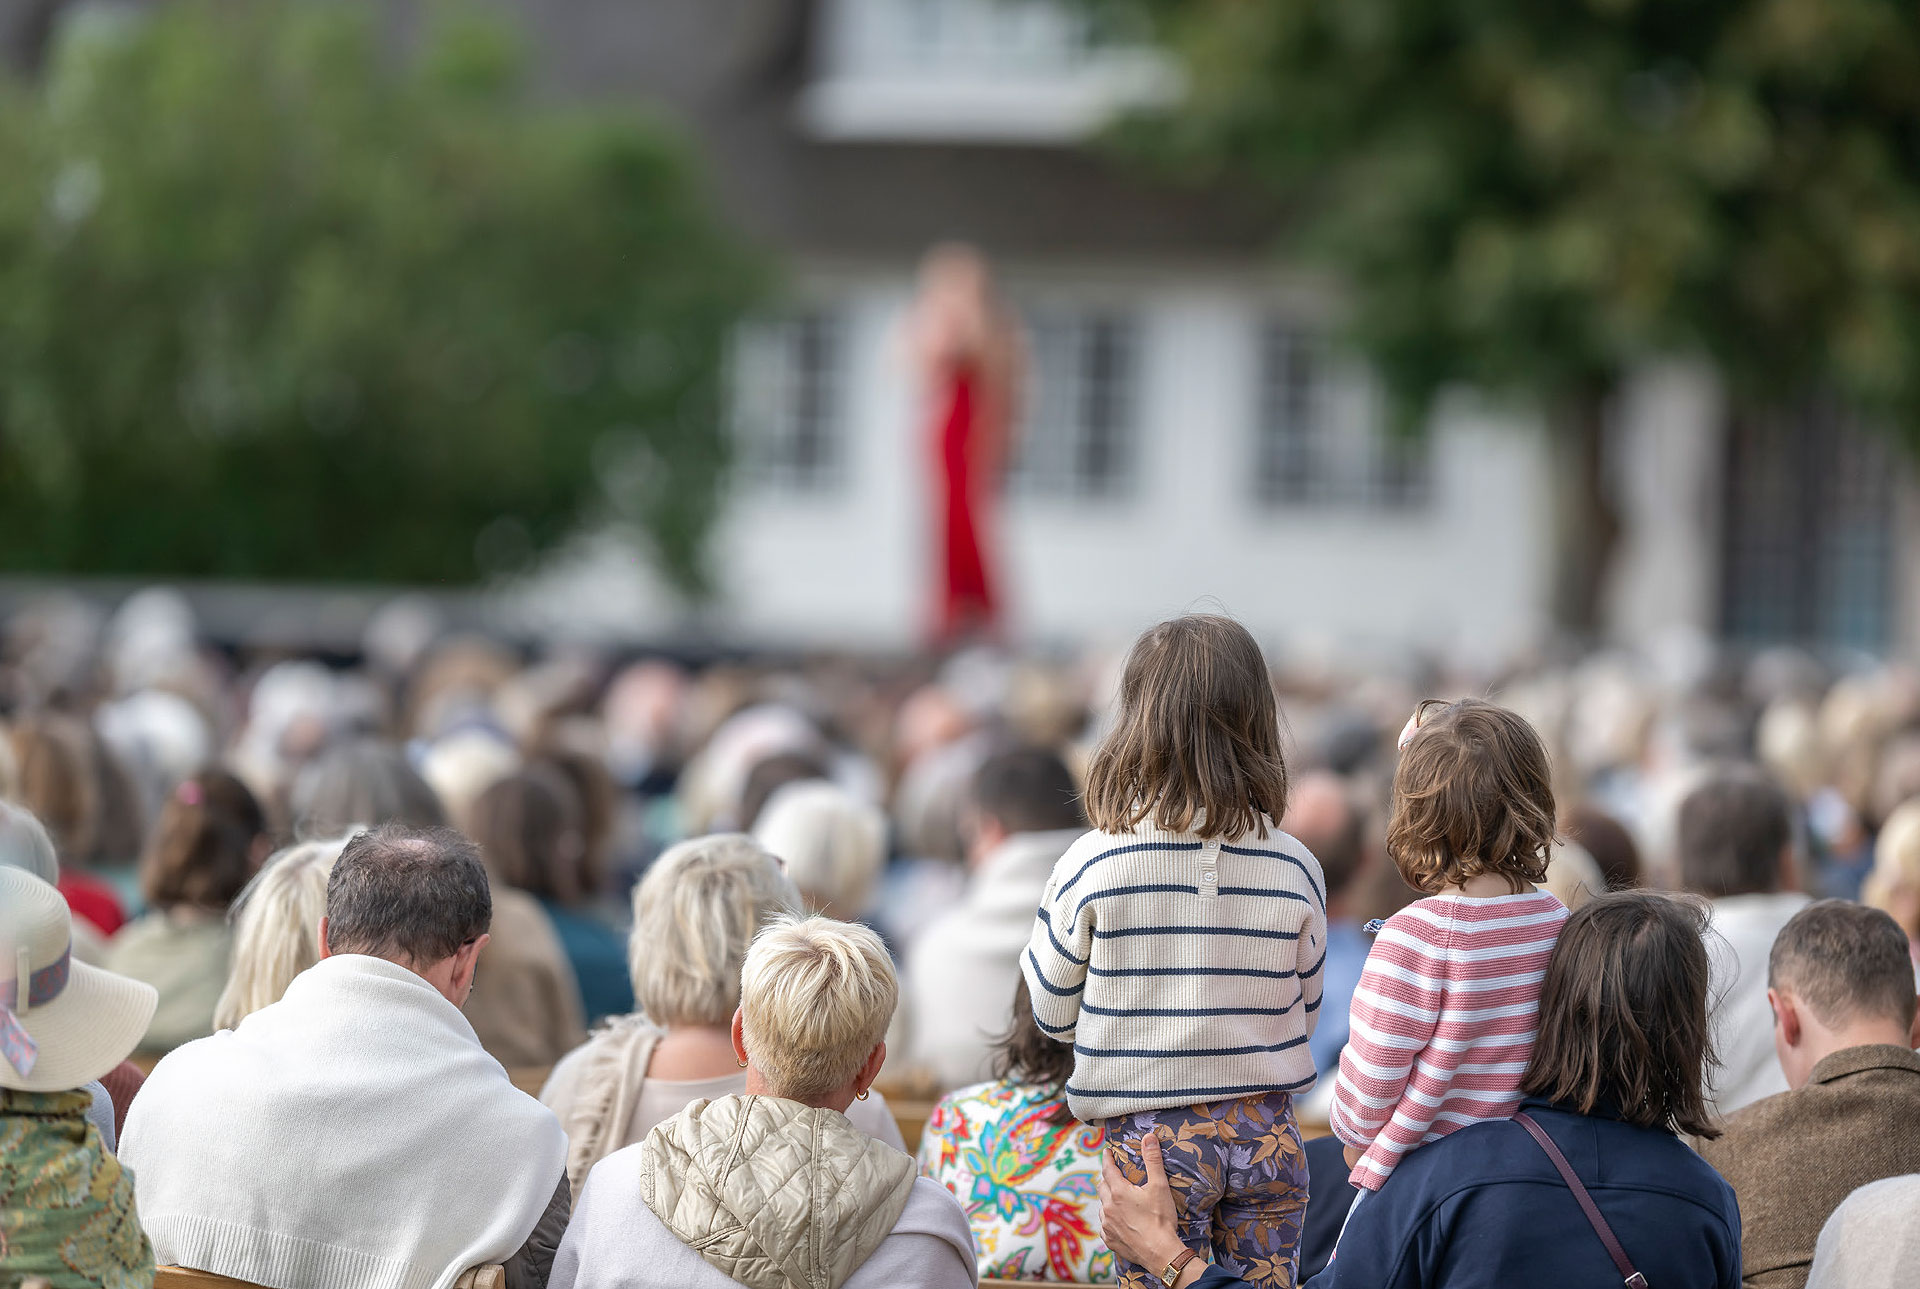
(862, 1096)
(741, 1064)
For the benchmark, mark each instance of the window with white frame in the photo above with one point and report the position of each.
(787, 399)
(1321, 439)
(1077, 434)
(1031, 71)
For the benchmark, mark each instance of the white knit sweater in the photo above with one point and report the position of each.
(962, 972)
(353, 1135)
(1183, 971)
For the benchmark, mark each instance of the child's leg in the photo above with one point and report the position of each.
(1256, 1229)
(1194, 1173)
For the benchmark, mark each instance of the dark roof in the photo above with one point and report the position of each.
(731, 71)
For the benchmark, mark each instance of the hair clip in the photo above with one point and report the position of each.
(1375, 927)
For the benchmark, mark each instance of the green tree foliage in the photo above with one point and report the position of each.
(278, 299)
(1535, 195)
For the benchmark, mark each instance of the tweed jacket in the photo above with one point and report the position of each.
(1793, 1157)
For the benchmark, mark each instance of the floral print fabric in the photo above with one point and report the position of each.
(1026, 1172)
(66, 1206)
(1239, 1175)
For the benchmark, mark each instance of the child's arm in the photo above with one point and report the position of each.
(1310, 960)
(1396, 1009)
(1055, 963)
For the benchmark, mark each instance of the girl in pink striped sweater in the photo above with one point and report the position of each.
(1448, 1005)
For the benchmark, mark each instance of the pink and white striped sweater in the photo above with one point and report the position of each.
(1444, 1021)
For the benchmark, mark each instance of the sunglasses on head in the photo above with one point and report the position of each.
(1420, 710)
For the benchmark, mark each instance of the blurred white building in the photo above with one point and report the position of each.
(1189, 437)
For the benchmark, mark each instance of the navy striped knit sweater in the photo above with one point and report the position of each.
(1181, 971)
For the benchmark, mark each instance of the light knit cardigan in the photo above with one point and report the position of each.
(597, 1115)
(353, 1135)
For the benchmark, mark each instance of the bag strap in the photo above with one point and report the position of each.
(1600, 1228)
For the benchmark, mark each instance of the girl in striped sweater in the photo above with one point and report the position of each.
(1179, 948)
(1448, 1005)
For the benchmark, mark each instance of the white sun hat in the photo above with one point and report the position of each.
(62, 1023)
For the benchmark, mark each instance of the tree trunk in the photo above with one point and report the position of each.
(28, 34)
(1586, 520)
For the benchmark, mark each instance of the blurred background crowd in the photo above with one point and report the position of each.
(167, 766)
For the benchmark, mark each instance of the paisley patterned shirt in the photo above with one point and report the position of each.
(1026, 1173)
(66, 1206)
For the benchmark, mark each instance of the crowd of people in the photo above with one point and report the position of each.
(322, 972)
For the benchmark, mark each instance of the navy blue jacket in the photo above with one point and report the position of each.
(1483, 1208)
(1329, 1196)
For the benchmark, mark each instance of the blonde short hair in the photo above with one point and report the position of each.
(835, 845)
(1896, 857)
(815, 999)
(694, 915)
(276, 928)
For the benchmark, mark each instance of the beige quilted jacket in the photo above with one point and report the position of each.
(772, 1193)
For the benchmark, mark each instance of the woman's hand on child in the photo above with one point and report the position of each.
(1138, 1221)
(1352, 1154)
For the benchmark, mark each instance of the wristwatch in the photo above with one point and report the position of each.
(1175, 1267)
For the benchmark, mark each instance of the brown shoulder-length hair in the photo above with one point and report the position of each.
(1473, 794)
(204, 844)
(1026, 1054)
(1623, 1014)
(528, 827)
(1196, 746)
(59, 785)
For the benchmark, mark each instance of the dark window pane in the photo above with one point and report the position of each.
(788, 394)
(1808, 530)
(1077, 432)
(1306, 452)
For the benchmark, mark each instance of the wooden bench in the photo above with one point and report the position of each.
(489, 1275)
(911, 1118)
(909, 1085)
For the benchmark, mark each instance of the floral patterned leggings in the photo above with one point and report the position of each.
(1239, 1174)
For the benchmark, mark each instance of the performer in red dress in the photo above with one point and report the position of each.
(969, 350)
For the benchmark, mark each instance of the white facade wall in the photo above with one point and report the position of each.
(1668, 474)
(1463, 575)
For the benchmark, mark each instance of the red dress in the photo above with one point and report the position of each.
(967, 603)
